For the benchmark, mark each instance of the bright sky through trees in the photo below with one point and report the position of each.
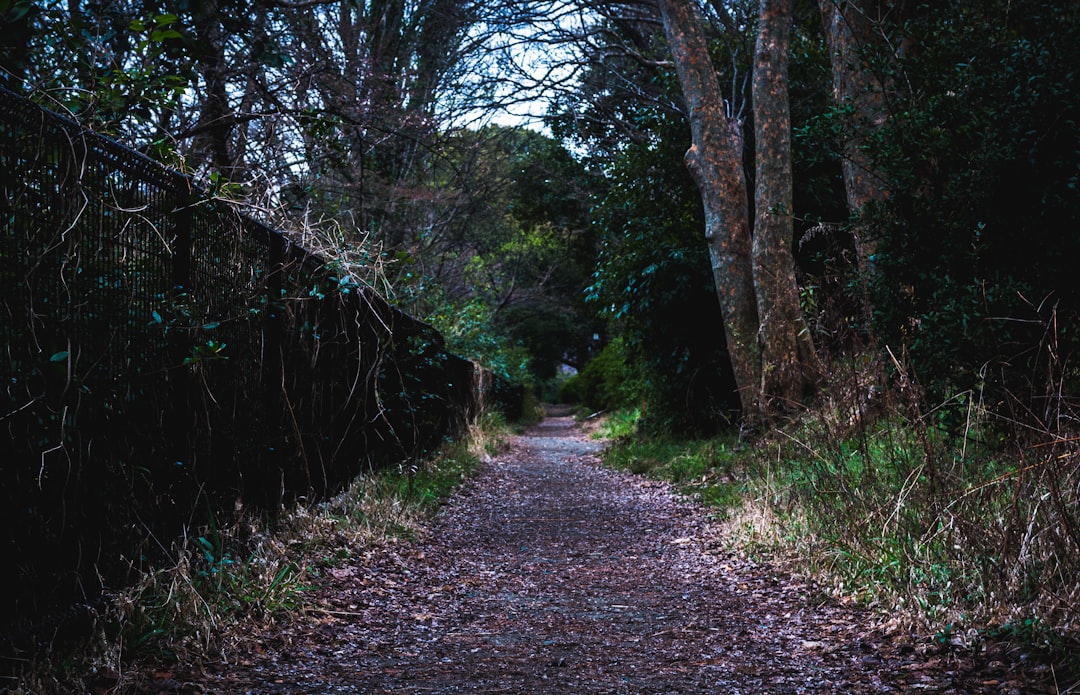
(522, 67)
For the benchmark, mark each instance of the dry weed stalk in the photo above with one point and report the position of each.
(965, 528)
(352, 251)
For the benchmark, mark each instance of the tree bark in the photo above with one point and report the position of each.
(216, 118)
(849, 31)
(715, 162)
(789, 364)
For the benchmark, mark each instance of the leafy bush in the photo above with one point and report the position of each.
(469, 331)
(654, 285)
(606, 383)
(978, 240)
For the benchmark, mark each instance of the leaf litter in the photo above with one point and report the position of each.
(548, 573)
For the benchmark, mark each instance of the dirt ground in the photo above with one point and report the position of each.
(551, 574)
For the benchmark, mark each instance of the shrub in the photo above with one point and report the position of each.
(606, 383)
(978, 239)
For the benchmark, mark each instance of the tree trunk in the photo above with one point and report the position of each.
(849, 31)
(216, 119)
(789, 363)
(715, 162)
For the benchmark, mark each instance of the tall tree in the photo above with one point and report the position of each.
(216, 119)
(856, 33)
(848, 31)
(715, 161)
(771, 351)
(653, 283)
(789, 361)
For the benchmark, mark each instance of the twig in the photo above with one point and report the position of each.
(349, 614)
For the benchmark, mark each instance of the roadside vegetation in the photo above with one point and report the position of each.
(961, 533)
(255, 572)
(932, 472)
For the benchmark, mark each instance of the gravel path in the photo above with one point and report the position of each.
(551, 574)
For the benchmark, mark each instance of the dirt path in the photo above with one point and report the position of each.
(550, 574)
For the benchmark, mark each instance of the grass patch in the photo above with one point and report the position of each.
(957, 531)
(708, 469)
(619, 424)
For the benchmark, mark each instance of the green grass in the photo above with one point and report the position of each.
(708, 469)
(954, 532)
(619, 424)
(426, 484)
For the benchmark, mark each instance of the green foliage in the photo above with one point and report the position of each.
(426, 484)
(621, 423)
(654, 285)
(606, 383)
(547, 327)
(469, 331)
(652, 281)
(977, 240)
(108, 65)
(504, 279)
(532, 409)
(206, 351)
(702, 468)
(817, 187)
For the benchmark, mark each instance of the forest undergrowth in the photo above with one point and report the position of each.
(252, 571)
(960, 524)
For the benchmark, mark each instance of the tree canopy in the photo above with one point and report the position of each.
(932, 168)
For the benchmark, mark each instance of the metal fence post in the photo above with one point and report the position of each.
(181, 417)
(272, 359)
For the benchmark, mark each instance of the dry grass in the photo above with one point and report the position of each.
(965, 532)
(355, 257)
(947, 519)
